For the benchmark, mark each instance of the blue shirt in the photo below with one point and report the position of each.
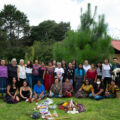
(79, 72)
(40, 89)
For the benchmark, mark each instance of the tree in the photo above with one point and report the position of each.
(48, 30)
(90, 41)
(14, 23)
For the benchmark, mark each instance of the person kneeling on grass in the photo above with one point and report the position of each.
(25, 92)
(38, 91)
(11, 96)
(56, 89)
(85, 90)
(67, 88)
(112, 90)
(97, 91)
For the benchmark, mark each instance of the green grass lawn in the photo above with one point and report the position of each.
(107, 109)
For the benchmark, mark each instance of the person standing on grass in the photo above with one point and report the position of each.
(3, 77)
(25, 92)
(92, 74)
(86, 65)
(98, 91)
(48, 76)
(11, 96)
(38, 91)
(99, 70)
(114, 66)
(21, 73)
(41, 71)
(67, 88)
(74, 64)
(28, 69)
(106, 72)
(112, 90)
(35, 72)
(59, 72)
(79, 77)
(56, 89)
(69, 73)
(54, 63)
(12, 70)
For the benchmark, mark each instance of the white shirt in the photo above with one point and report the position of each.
(22, 72)
(59, 71)
(28, 70)
(86, 68)
(106, 70)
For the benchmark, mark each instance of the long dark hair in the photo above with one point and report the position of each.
(29, 65)
(100, 66)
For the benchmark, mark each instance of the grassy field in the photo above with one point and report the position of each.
(107, 109)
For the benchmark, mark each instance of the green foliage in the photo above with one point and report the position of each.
(89, 42)
(48, 30)
(40, 50)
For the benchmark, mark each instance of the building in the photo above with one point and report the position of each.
(116, 46)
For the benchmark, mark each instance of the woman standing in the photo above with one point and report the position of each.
(86, 66)
(28, 69)
(99, 70)
(79, 76)
(41, 71)
(54, 63)
(21, 73)
(11, 96)
(35, 72)
(3, 77)
(12, 70)
(67, 88)
(74, 64)
(106, 72)
(59, 72)
(92, 74)
(48, 76)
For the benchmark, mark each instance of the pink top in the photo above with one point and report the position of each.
(4, 71)
(35, 70)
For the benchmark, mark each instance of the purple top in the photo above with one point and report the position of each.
(4, 71)
(35, 70)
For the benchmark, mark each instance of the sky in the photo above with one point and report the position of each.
(68, 11)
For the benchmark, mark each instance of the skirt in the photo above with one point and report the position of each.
(3, 84)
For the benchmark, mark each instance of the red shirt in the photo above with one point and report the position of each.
(91, 74)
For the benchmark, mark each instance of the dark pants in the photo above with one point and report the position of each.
(107, 80)
(79, 81)
(34, 80)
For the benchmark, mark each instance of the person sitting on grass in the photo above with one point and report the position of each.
(25, 92)
(97, 91)
(85, 90)
(56, 89)
(112, 90)
(11, 96)
(67, 88)
(38, 91)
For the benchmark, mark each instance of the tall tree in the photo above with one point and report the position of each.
(14, 23)
(90, 41)
(48, 30)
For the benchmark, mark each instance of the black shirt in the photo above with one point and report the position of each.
(69, 73)
(97, 89)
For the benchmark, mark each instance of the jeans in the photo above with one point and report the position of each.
(29, 79)
(98, 97)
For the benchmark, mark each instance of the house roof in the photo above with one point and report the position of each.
(116, 44)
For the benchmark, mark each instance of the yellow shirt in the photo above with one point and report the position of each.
(87, 88)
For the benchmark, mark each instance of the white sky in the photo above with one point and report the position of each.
(68, 11)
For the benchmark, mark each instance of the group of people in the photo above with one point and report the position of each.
(31, 82)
